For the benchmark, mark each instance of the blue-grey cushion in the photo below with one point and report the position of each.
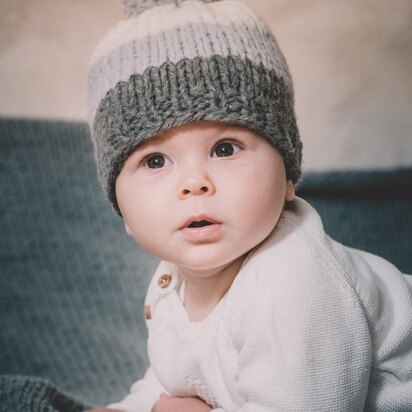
(71, 282)
(369, 210)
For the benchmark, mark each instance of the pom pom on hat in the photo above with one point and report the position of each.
(133, 8)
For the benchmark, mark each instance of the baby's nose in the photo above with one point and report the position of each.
(196, 185)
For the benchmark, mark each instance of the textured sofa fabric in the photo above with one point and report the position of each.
(72, 283)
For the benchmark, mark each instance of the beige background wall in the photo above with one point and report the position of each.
(351, 61)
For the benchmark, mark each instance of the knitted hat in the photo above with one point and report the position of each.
(173, 62)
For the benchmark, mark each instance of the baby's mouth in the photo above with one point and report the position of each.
(200, 223)
(201, 228)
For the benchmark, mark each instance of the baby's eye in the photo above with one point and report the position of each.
(226, 149)
(156, 161)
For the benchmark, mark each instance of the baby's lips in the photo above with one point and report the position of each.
(199, 218)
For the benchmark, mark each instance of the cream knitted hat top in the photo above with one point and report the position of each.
(173, 62)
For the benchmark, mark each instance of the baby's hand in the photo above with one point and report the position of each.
(168, 403)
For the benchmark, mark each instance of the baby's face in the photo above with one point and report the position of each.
(202, 195)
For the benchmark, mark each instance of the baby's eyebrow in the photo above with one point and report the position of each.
(153, 141)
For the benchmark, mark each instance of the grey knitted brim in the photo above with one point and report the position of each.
(228, 89)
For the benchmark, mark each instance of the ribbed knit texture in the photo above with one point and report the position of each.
(72, 284)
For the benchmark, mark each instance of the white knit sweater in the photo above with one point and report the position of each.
(307, 325)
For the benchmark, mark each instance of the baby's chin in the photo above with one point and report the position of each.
(204, 266)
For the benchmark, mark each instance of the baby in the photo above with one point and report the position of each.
(252, 307)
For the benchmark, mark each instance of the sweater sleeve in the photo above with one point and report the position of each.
(143, 394)
(307, 345)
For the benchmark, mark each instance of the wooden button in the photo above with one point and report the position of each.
(147, 312)
(164, 281)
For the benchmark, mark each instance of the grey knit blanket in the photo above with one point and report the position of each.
(29, 394)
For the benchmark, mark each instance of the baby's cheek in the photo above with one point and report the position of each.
(261, 205)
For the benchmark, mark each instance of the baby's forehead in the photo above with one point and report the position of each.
(208, 128)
